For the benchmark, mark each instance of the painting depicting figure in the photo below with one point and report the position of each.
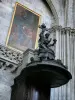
(23, 29)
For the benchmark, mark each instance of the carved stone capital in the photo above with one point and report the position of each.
(63, 30)
(52, 30)
(72, 30)
(56, 27)
(67, 28)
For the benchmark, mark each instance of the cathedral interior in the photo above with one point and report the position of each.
(22, 24)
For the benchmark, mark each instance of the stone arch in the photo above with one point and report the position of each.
(53, 11)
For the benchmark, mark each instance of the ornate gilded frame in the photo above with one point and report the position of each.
(12, 21)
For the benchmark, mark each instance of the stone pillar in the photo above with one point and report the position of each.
(6, 81)
(57, 33)
(9, 64)
(66, 46)
(69, 13)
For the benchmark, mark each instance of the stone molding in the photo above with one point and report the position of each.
(10, 60)
(62, 29)
(10, 55)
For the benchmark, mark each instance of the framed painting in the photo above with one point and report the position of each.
(23, 30)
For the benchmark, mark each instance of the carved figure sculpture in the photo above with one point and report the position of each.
(45, 52)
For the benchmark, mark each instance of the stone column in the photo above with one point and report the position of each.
(58, 33)
(66, 52)
(6, 81)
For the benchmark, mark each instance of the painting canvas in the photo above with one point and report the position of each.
(23, 29)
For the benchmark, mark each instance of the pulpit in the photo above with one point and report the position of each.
(41, 71)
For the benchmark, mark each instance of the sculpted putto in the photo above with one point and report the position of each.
(45, 52)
